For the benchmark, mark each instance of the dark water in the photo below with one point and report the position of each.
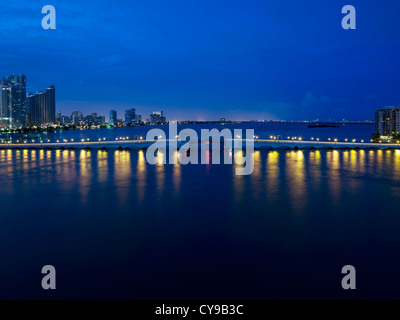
(261, 129)
(116, 227)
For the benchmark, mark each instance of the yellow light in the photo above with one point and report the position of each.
(141, 138)
(58, 141)
(72, 140)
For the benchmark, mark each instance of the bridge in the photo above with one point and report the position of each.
(144, 144)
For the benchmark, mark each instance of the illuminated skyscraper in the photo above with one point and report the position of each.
(387, 121)
(13, 107)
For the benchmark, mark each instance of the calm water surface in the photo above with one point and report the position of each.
(116, 227)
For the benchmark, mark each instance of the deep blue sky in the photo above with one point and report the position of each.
(201, 59)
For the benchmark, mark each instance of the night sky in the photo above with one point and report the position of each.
(203, 60)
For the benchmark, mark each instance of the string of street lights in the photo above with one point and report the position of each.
(140, 138)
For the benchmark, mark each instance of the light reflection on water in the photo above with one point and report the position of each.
(112, 208)
(292, 175)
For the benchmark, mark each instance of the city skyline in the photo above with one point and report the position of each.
(205, 61)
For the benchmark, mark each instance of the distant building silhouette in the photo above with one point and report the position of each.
(113, 118)
(157, 117)
(42, 107)
(130, 116)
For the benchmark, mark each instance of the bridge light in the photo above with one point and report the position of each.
(141, 138)
(58, 141)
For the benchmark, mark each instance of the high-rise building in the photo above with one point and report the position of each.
(113, 118)
(157, 117)
(13, 108)
(42, 107)
(387, 121)
(130, 116)
(76, 117)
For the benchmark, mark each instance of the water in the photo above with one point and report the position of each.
(262, 130)
(116, 227)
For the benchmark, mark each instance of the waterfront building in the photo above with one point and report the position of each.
(76, 118)
(113, 118)
(157, 117)
(130, 116)
(58, 118)
(13, 106)
(42, 106)
(387, 121)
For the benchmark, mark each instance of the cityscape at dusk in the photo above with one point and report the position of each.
(199, 158)
(240, 60)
